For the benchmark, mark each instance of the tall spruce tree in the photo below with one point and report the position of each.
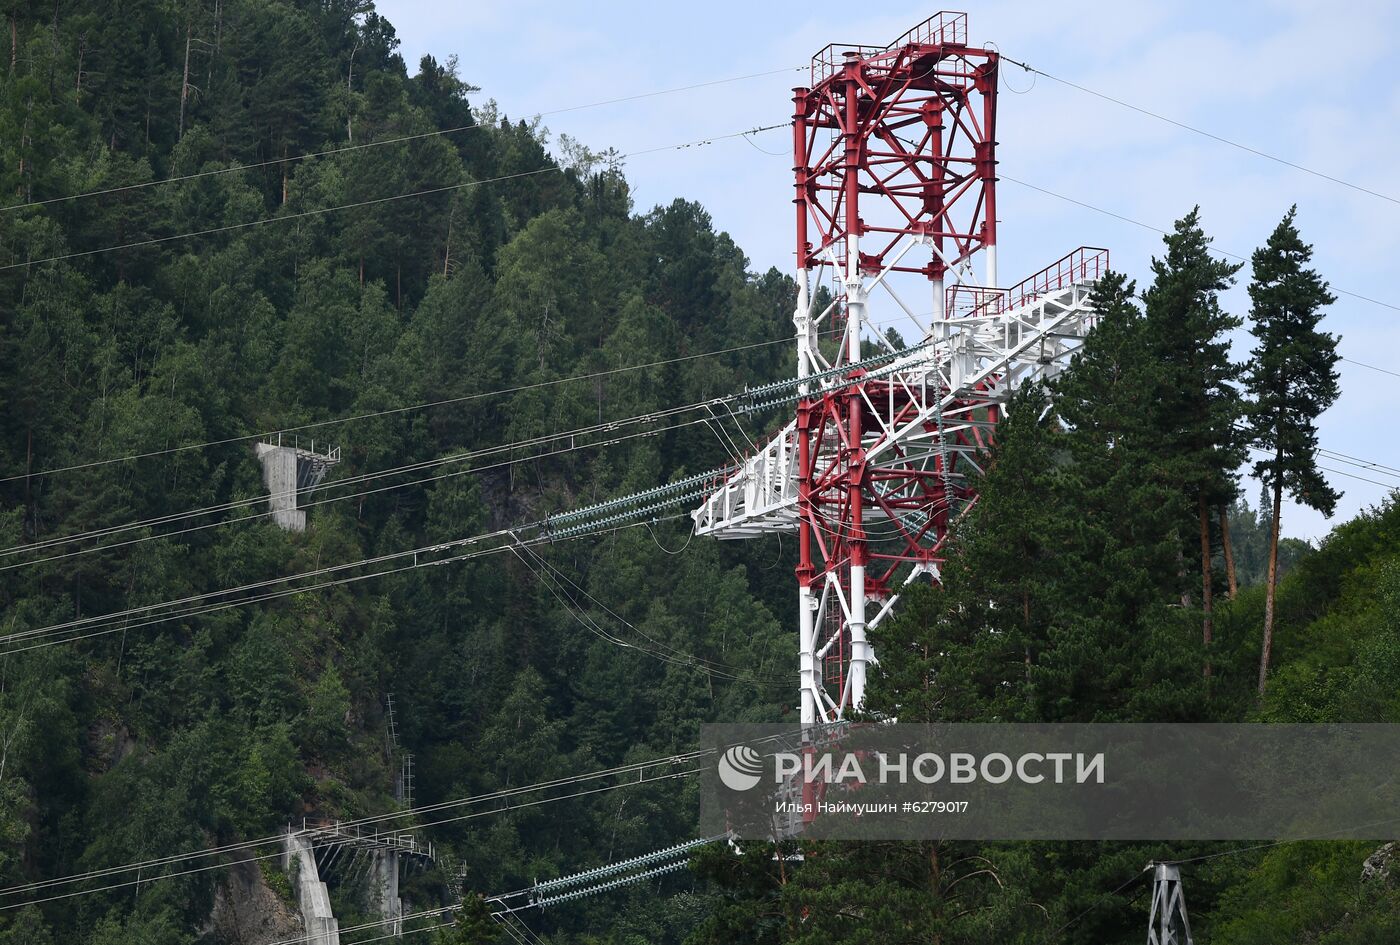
(1293, 379)
(1198, 404)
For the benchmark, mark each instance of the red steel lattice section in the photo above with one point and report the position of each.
(913, 125)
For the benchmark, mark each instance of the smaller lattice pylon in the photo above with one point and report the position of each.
(1167, 923)
(408, 779)
(391, 727)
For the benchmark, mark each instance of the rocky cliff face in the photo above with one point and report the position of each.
(1383, 866)
(249, 912)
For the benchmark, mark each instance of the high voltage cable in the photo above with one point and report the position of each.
(503, 392)
(200, 604)
(630, 510)
(1372, 367)
(1159, 230)
(752, 396)
(454, 458)
(134, 611)
(200, 610)
(676, 656)
(360, 822)
(332, 152)
(669, 776)
(1212, 856)
(1213, 249)
(674, 762)
(534, 457)
(1339, 472)
(1206, 134)
(505, 794)
(1356, 460)
(397, 410)
(435, 913)
(375, 201)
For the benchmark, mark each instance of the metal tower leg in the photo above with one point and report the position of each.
(1167, 923)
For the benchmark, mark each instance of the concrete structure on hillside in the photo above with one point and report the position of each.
(290, 472)
(385, 888)
(313, 897)
(360, 857)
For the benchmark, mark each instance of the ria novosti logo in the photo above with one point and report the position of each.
(741, 768)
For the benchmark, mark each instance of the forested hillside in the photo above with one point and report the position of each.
(524, 295)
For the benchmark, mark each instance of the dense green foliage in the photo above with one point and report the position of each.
(513, 276)
(179, 735)
(1067, 598)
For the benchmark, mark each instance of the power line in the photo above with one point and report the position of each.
(592, 375)
(197, 605)
(375, 201)
(504, 795)
(669, 776)
(750, 396)
(569, 436)
(1358, 461)
(629, 508)
(533, 457)
(1372, 367)
(103, 629)
(583, 521)
(1278, 843)
(1206, 134)
(1136, 877)
(554, 582)
(1339, 472)
(1159, 230)
(435, 913)
(334, 152)
(1214, 137)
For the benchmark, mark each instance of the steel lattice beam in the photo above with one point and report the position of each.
(895, 176)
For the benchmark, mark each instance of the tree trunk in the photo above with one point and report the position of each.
(185, 82)
(218, 31)
(1179, 542)
(350, 96)
(1229, 552)
(1026, 623)
(14, 42)
(1207, 623)
(24, 188)
(1272, 586)
(447, 250)
(82, 53)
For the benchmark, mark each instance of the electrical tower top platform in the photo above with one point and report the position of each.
(897, 141)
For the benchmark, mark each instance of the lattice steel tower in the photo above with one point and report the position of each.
(894, 153)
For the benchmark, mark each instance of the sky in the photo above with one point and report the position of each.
(1308, 83)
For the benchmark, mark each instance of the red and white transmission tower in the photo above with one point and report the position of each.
(895, 162)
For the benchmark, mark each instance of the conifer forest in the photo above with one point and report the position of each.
(1124, 562)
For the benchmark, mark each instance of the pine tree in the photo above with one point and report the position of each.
(1293, 379)
(1199, 406)
(474, 925)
